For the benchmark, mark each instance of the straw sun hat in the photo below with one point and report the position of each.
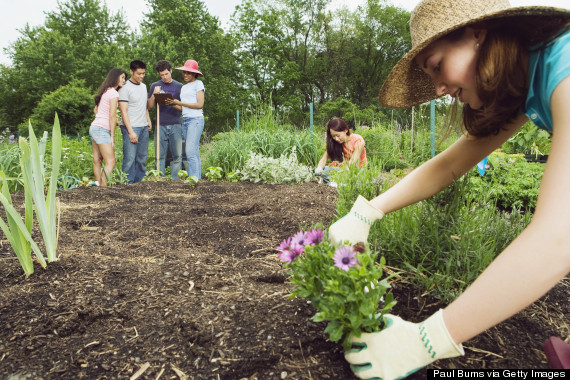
(407, 85)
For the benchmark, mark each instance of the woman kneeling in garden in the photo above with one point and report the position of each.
(504, 64)
(343, 147)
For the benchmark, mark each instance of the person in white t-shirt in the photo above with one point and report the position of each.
(192, 102)
(135, 124)
(102, 130)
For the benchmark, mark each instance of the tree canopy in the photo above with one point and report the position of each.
(283, 53)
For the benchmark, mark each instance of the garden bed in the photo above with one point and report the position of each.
(164, 280)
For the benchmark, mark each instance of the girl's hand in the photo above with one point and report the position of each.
(401, 348)
(173, 102)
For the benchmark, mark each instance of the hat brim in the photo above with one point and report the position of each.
(407, 85)
(189, 70)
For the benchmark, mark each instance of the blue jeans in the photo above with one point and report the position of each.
(192, 128)
(171, 138)
(134, 155)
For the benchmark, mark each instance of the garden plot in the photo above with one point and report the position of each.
(164, 280)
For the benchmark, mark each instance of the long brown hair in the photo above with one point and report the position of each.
(111, 81)
(334, 149)
(502, 70)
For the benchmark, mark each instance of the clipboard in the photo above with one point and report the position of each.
(161, 98)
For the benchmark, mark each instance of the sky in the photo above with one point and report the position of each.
(32, 12)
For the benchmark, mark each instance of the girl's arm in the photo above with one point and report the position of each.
(198, 105)
(113, 103)
(323, 161)
(439, 172)
(538, 258)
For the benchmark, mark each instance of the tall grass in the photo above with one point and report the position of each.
(230, 150)
(445, 241)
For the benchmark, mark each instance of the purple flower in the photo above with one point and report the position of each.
(314, 237)
(299, 238)
(344, 258)
(287, 256)
(487, 166)
(289, 250)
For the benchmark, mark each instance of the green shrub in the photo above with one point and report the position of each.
(74, 106)
(528, 140)
(509, 181)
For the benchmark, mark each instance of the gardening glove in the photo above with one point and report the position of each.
(318, 170)
(355, 225)
(401, 348)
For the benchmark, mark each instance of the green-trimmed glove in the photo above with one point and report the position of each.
(401, 348)
(355, 225)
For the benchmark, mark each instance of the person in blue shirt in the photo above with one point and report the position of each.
(170, 118)
(506, 65)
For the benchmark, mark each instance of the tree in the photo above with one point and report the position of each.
(80, 40)
(74, 106)
(178, 30)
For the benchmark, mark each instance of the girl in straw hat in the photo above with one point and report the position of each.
(505, 65)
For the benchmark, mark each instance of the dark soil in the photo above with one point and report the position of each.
(163, 280)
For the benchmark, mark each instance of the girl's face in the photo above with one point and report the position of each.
(122, 79)
(339, 137)
(452, 64)
(188, 76)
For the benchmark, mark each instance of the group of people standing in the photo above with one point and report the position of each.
(181, 119)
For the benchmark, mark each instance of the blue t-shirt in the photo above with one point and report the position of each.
(168, 115)
(547, 68)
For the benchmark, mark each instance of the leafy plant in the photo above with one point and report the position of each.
(182, 174)
(153, 175)
(192, 180)
(18, 231)
(46, 206)
(529, 140)
(343, 284)
(510, 181)
(234, 176)
(285, 169)
(214, 173)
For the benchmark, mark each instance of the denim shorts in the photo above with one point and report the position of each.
(100, 135)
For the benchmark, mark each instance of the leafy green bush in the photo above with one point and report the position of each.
(528, 140)
(509, 181)
(74, 106)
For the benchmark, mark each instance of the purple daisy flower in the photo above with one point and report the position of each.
(314, 237)
(299, 238)
(284, 245)
(286, 256)
(344, 258)
(289, 250)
